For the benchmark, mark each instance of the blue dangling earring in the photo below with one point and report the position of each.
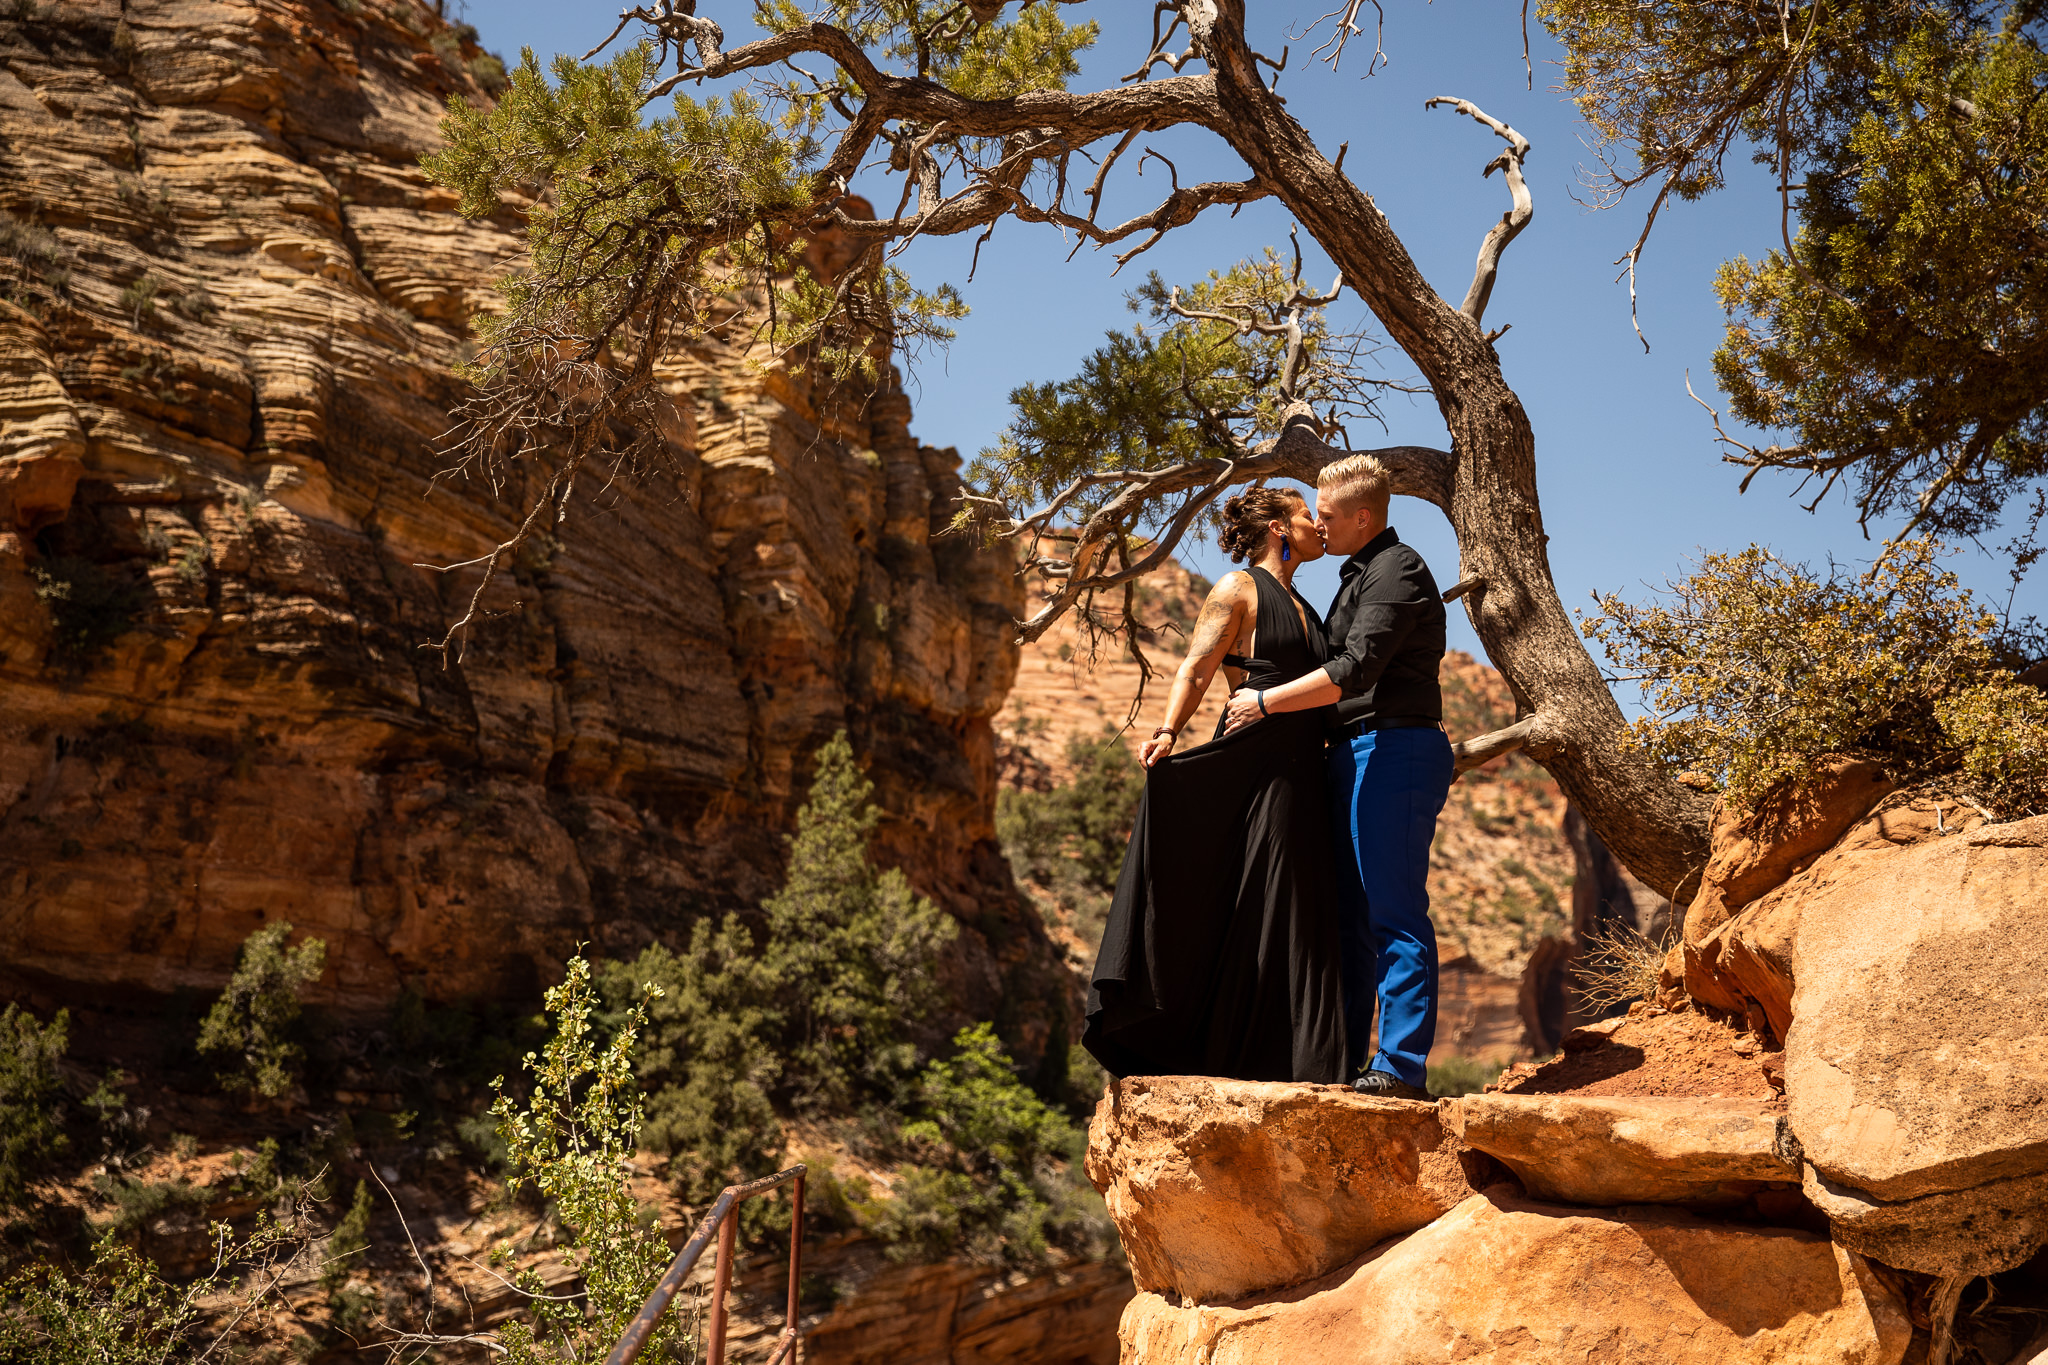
(1286, 552)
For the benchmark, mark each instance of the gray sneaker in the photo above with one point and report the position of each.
(1383, 1085)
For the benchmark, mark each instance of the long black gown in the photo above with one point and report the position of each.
(1220, 957)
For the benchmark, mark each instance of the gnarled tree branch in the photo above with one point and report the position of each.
(1512, 222)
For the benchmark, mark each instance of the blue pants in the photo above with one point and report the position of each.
(1386, 789)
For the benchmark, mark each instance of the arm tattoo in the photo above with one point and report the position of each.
(1213, 627)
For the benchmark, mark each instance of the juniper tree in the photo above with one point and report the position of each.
(254, 1024)
(1900, 330)
(640, 230)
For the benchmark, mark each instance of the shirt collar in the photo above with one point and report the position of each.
(1357, 562)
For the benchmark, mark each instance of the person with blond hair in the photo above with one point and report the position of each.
(1389, 771)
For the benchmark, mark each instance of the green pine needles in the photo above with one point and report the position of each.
(1898, 336)
(31, 1097)
(1200, 378)
(1907, 345)
(808, 1008)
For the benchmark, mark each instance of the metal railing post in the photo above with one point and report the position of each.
(714, 1336)
(722, 1220)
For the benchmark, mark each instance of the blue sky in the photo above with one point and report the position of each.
(1631, 481)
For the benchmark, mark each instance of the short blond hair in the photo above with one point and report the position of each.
(1356, 480)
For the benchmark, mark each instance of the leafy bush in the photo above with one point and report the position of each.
(998, 1171)
(138, 1203)
(811, 1013)
(121, 1311)
(2001, 726)
(1758, 667)
(255, 1021)
(37, 260)
(570, 1143)
(1085, 823)
(1455, 1076)
(30, 1131)
(487, 69)
(90, 607)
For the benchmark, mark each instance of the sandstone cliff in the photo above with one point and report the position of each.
(235, 307)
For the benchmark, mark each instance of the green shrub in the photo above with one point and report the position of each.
(351, 1236)
(812, 1013)
(39, 259)
(487, 69)
(138, 1203)
(120, 1311)
(2001, 726)
(90, 607)
(31, 1130)
(1455, 1076)
(570, 1143)
(1084, 823)
(255, 1021)
(1757, 668)
(996, 1171)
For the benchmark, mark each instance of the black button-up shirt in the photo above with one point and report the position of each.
(1386, 630)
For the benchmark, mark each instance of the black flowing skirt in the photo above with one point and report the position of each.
(1220, 956)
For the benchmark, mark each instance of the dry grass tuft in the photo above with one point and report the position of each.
(1620, 966)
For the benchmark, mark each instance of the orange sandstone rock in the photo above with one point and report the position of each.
(1917, 1060)
(232, 411)
(1225, 1188)
(1604, 1150)
(1501, 1281)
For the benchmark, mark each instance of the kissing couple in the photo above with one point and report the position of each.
(1276, 884)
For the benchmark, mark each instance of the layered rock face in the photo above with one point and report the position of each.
(1288, 1223)
(1899, 947)
(222, 379)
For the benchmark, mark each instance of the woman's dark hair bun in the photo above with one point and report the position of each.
(1243, 532)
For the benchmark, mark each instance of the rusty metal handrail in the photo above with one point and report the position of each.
(720, 1220)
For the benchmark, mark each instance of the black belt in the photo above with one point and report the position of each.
(1366, 727)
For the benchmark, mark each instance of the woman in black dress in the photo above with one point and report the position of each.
(1220, 956)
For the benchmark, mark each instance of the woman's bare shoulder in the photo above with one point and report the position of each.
(1235, 586)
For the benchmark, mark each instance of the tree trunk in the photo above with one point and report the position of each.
(1657, 828)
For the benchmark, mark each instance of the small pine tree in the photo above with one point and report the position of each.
(255, 1021)
(852, 948)
(812, 1013)
(350, 1237)
(29, 1129)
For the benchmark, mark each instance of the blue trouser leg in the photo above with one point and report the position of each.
(1387, 788)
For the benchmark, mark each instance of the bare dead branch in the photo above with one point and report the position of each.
(1512, 222)
(1472, 753)
(1347, 28)
(1463, 586)
(1297, 453)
